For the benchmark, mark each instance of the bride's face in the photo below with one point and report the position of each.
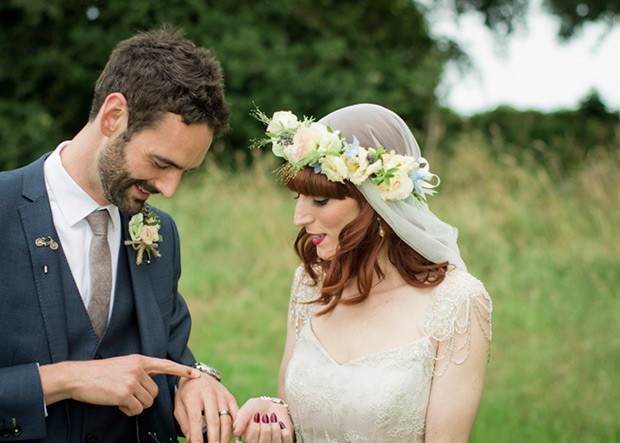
(323, 219)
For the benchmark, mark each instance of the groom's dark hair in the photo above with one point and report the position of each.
(161, 71)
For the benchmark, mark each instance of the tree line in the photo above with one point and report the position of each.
(309, 56)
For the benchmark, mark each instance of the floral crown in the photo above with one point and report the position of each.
(307, 143)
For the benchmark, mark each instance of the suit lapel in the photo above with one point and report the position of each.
(150, 322)
(49, 266)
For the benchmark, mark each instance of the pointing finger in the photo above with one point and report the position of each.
(154, 366)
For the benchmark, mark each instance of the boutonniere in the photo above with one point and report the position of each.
(144, 233)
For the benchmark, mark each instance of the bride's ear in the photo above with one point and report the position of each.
(114, 115)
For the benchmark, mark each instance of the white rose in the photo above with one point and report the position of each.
(359, 168)
(400, 187)
(329, 141)
(278, 149)
(404, 164)
(282, 120)
(334, 167)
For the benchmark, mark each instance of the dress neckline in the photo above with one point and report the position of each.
(369, 355)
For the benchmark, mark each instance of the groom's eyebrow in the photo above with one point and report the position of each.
(170, 163)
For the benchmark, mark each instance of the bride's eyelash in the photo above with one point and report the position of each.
(318, 202)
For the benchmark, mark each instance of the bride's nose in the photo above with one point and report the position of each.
(303, 214)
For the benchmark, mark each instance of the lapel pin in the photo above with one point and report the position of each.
(42, 242)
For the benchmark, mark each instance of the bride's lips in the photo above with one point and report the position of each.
(317, 238)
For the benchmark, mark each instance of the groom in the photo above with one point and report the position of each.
(93, 345)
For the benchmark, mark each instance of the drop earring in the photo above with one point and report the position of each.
(381, 231)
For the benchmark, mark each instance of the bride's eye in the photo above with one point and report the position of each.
(320, 201)
(296, 197)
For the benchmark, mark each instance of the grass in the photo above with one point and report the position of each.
(545, 246)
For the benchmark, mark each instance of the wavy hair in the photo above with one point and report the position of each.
(360, 244)
(161, 71)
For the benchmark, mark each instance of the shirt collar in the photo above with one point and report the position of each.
(74, 203)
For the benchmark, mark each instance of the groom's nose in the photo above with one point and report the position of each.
(168, 183)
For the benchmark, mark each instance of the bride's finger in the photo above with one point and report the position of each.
(285, 432)
(276, 431)
(252, 432)
(265, 430)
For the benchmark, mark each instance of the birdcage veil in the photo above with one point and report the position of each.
(412, 221)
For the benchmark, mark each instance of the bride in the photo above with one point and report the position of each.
(388, 334)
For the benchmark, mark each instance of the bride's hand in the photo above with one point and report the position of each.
(263, 421)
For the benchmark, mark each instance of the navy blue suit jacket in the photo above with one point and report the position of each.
(33, 320)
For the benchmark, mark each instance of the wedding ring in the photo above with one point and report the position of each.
(224, 412)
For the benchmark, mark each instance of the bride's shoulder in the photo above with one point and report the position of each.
(303, 288)
(459, 298)
(461, 285)
(460, 302)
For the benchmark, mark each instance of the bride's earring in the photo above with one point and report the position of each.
(381, 231)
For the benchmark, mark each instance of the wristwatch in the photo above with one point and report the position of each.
(208, 370)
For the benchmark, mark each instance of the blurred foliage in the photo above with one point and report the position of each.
(308, 56)
(562, 140)
(574, 14)
(504, 16)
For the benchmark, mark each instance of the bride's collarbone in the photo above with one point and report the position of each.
(349, 332)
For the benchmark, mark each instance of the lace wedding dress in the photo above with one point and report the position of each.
(382, 396)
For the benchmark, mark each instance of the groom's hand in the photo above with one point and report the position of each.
(125, 381)
(204, 396)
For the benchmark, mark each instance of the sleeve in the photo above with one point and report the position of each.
(22, 407)
(180, 322)
(460, 304)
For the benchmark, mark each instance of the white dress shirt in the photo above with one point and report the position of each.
(70, 205)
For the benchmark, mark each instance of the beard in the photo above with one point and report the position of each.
(116, 180)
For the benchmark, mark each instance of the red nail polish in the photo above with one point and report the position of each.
(274, 417)
(282, 425)
(257, 418)
(265, 419)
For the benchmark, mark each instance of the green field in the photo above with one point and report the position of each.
(543, 243)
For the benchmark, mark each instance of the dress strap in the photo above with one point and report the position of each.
(303, 292)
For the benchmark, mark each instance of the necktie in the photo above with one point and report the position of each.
(100, 272)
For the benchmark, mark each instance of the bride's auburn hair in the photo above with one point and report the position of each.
(359, 247)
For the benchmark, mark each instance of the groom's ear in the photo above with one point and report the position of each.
(114, 114)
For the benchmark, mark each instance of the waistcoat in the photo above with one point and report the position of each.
(93, 423)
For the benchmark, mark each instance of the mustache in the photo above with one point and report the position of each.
(147, 186)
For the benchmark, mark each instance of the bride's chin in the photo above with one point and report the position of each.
(325, 255)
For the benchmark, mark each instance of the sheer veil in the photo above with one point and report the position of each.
(413, 222)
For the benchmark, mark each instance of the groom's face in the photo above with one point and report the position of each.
(152, 162)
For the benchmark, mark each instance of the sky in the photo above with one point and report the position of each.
(534, 69)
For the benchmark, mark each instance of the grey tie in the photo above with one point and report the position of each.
(100, 272)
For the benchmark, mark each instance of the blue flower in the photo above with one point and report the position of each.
(415, 175)
(316, 166)
(351, 151)
(416, 188)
